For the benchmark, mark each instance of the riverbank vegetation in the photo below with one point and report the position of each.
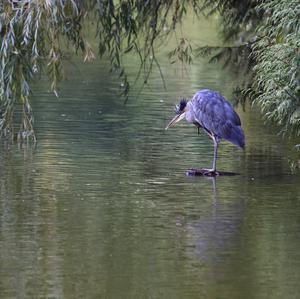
(263, 39)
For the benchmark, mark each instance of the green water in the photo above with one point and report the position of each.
(102, 208)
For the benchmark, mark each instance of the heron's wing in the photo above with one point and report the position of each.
(217, 116)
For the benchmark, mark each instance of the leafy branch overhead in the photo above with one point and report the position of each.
(31, 40)
(276, 82)
(34, 35)
(266, 37)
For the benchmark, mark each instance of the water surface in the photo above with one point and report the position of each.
(102, 208)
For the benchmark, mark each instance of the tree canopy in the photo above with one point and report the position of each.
(34, 34)
(276, 81)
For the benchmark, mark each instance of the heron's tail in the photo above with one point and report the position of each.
(234, 134)
(238, 137)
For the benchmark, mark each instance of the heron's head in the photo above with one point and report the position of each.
(180, 111)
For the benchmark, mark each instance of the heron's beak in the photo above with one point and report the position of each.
(175, 120)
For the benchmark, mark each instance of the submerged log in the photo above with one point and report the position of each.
(208, 173)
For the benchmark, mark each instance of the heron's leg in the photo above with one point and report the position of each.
(213, 170)
(216, 144)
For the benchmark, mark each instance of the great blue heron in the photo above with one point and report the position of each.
(211, 112)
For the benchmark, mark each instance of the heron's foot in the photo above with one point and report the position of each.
(210, 172)
(203, 172)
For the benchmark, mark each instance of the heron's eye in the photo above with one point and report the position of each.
(177, 109)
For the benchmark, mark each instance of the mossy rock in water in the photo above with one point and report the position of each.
(208, 173)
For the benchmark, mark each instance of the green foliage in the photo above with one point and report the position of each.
(183, 52)
(238, 17)
(30, 35)
(276, 81)
(34, 35)
(266, 54)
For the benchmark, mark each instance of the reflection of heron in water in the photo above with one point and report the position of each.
(211, 112)
(216, 234)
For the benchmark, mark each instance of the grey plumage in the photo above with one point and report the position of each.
(214, 114)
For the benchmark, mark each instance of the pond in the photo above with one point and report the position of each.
(102, 208)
